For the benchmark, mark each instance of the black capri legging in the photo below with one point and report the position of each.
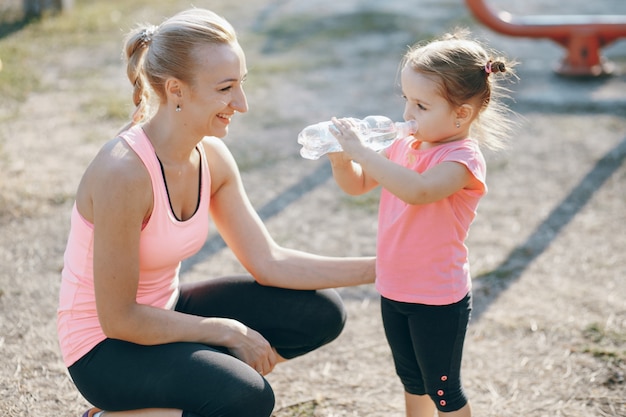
(426, 342)
(203, 380)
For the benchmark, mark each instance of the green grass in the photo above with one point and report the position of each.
(367, 202)
(17, 79)
(303, 409)
(604, 343)
(27, 46)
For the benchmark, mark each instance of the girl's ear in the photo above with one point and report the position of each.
(465, 113)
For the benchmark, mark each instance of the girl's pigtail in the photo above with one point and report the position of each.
(494, 66)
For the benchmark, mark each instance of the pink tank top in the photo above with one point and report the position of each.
(164, 243)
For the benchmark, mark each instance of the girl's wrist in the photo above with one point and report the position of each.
(339, 159)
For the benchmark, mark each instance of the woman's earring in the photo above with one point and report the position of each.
(457, 124)
(178, 109)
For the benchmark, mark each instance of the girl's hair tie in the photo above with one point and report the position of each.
(493, 67)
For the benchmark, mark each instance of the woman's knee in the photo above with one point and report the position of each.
(334, 312)
(314, 319)
(328, 318)
(245, 400)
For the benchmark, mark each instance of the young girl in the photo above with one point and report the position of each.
(432, 182)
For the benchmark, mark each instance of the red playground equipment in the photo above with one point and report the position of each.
(582, 35)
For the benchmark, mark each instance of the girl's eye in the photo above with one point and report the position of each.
(226, 89)
(421, 107)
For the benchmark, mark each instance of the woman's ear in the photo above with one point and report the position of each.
(173, 88)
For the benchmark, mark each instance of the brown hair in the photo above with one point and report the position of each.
(155, 53)
(466, 71)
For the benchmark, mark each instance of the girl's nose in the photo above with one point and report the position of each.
(405, 115)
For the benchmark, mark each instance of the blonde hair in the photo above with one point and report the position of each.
(155, 53)
(467, 73)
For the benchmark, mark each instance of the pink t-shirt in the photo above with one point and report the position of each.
(421, 252)
(164, 243)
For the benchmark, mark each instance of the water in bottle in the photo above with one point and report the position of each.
(376, 132)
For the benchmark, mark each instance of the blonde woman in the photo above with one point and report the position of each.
(137, 342)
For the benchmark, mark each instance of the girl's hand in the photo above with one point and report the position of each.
(347, 136)
(251, 347)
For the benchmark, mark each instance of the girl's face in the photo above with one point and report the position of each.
(436, 118)
(217, 91)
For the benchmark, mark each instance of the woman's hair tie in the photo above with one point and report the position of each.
(147, 34)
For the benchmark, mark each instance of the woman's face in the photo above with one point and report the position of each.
(435, 117)
(217, 91)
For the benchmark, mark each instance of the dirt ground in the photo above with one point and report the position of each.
(548, 333)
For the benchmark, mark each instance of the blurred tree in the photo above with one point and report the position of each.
(36, 8)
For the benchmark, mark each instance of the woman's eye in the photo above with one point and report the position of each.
(226, 89)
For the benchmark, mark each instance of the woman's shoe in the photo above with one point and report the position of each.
(91, 412)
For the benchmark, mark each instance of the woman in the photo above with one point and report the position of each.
(137, 343)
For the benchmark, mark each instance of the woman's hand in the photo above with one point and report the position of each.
(250, 347)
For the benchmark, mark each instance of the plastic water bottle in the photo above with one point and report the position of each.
(376, 132)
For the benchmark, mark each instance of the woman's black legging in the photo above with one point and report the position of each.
(205, 380)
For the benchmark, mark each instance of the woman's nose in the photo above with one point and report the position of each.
(240, 102)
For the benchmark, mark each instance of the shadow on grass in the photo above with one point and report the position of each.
(494, 283)
(12, 21)
(9, 27)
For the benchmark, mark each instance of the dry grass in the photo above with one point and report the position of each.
(549, 327)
